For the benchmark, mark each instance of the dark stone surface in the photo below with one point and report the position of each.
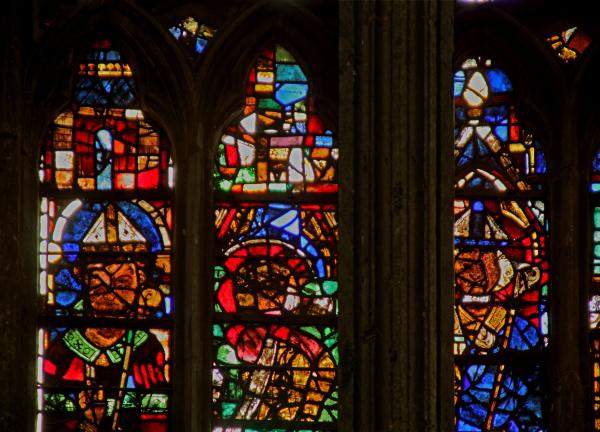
(396, 133)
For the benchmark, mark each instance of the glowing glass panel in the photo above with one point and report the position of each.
(502, 274)
(275, 281)
(569, 44)
(193, 35)
(279, 144)
(594, 299)
(105, 255)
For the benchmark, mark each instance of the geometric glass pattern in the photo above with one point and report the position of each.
(594, 300)
(595, 175)
(277, 259)
(275, 301)
(501, 267)
(279, 144)
(192, 35)
(516, 393)
(105, 149)
(105, 340)
(595, 348)
(569, 44)
(493, 153)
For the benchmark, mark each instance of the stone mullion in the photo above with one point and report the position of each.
(427, 394)
(357, 257)
(9, 268)
(438, 236)
(566, 404)
(17, 283)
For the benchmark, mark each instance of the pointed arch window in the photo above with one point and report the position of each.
(106, 190)
(594, 300)
(501, 267)
(275, 354)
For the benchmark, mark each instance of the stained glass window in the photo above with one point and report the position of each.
(275, 276)
(106, 179)
(569, 44)
(594, 303)
(192, 34)
(501, 268)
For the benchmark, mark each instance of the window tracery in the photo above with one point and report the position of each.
(193, 35)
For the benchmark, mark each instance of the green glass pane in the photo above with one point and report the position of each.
(268, 103)
(246, 175)
(311, 288)
(224, 185)
(278, 187)
(226, 355)
(336, 355)
(228, 409)
(156, 402)
(330, 287)
(313, 331)
(221, 155)
(234, 391)
(129, 401)
(283, 55)
(325, 417)
(300, 106)
(58, 402)
(219, 272)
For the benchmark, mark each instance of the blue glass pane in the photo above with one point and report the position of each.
(498, 80)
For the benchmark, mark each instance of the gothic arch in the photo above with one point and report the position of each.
(539, 88)
(559, 103)
(162, 75)
(586, 115)
(296, 200)
(228, 62)
(175, 95)
(586, 92)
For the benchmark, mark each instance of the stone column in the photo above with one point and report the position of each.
(12, 393)
(397, 169)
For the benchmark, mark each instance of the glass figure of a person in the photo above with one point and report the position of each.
(117, 372)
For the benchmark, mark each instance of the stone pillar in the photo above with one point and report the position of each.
(10, 268)
(396, 251)
(18, 222)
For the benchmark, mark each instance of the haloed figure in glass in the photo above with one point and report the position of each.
(106, 182)
(502, 273)
(492, 279)
(115, 372)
